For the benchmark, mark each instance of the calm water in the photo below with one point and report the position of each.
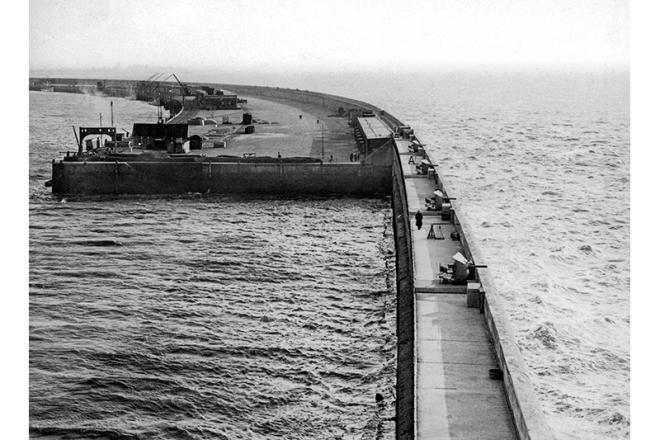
(204, 317)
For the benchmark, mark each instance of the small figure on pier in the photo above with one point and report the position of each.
(418, 219)
(331, 158)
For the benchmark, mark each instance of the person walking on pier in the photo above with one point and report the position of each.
(418, 219)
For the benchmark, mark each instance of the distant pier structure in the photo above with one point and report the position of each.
(167, 93)
(110, 87)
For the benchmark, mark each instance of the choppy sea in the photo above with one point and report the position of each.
(149, 315)
(540, 163)
(204, 317)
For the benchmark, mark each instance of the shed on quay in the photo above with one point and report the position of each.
(374, 133)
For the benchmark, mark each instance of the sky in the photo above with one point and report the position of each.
(337, 35)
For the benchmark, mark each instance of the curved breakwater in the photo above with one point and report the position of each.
(405, 365)
(551, 146)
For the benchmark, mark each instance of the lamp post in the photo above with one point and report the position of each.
(322, 138)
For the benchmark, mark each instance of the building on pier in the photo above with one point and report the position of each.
(160, 136)
(115, 88)
(218, 102)
(371, 134)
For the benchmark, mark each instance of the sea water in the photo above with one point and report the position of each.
(204, 317)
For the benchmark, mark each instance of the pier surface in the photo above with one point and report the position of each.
(455, 398)
(288, 128)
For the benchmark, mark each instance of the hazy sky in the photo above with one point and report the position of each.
(321, 35)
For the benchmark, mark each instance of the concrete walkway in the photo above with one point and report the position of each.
(456, 399)
(291, 129)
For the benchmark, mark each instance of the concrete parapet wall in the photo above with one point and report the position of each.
(405, 383)
(263, 178)
(330, 102)
(352, 179)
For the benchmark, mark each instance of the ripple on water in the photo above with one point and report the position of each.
(205, 317)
